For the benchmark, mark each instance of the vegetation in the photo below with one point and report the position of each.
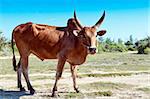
(4, 45)
(145, 89)
(2, 41)
(107, 62)
(143, 46)
(105, 45)
(129, 44)
(108, 45)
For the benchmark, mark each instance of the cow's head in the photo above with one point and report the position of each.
(88, 35)
(72, 25)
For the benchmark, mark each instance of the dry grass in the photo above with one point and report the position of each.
(105, 65)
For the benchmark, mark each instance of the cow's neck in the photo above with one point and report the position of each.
(77, 55)
(79, 46)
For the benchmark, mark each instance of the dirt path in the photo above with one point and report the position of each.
(140, 80)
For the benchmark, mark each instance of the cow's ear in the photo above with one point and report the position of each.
(101, 33)
(75, 32)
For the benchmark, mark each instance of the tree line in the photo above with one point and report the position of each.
(141, 46)
(105, 45)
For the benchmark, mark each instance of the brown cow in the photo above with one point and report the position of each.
(69, 44)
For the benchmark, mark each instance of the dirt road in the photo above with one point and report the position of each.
(43, 87)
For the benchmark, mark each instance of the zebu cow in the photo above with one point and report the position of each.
(69, 44)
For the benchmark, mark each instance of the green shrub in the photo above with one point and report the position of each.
(2, 41)
(5, 46)
(5, 50)
(143, 46)
(141, 49)
(111, 47)
(131, 48)
(147, 50)
(121, 48)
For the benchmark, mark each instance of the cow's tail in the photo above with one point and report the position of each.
(14, 58)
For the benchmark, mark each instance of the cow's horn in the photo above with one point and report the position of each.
(99, 21)
(78, 23)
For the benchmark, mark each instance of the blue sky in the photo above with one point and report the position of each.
(123, 17)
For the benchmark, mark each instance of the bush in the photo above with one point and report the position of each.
(103, 47)
(143, 46)
(5, 46)
(131, 48)
(6, 50)
(147, 50)
(121, 48)
(117, 48)
(2, 41)
(141, 49)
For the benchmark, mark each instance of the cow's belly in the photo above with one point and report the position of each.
(44, 53)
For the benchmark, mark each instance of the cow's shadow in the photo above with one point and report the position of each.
(11, 94)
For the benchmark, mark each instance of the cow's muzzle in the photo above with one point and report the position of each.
(92, 50)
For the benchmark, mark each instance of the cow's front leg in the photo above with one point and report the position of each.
(73, 69)
(60, 66)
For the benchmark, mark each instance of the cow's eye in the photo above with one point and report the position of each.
(82, 36)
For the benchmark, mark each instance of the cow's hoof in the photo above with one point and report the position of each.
(77, 90)
(22, 89)
(55, 95)
(32, 91)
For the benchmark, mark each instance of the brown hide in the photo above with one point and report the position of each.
(47, 42)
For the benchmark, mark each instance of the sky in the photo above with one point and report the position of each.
(123, 17)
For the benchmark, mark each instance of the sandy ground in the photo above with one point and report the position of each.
(140, 80)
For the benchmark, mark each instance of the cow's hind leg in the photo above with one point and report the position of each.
(19, 71)
(24, 63)
(73, 69)
(59, 71)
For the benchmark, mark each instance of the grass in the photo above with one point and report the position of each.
(104, 86)
(106, 62)
(112, 74)
(144, 89)
(109, 62)
(87, 95)
(105, 75)
(99, 65)
(96, 89)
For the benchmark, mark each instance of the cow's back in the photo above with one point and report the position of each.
(41, 40)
